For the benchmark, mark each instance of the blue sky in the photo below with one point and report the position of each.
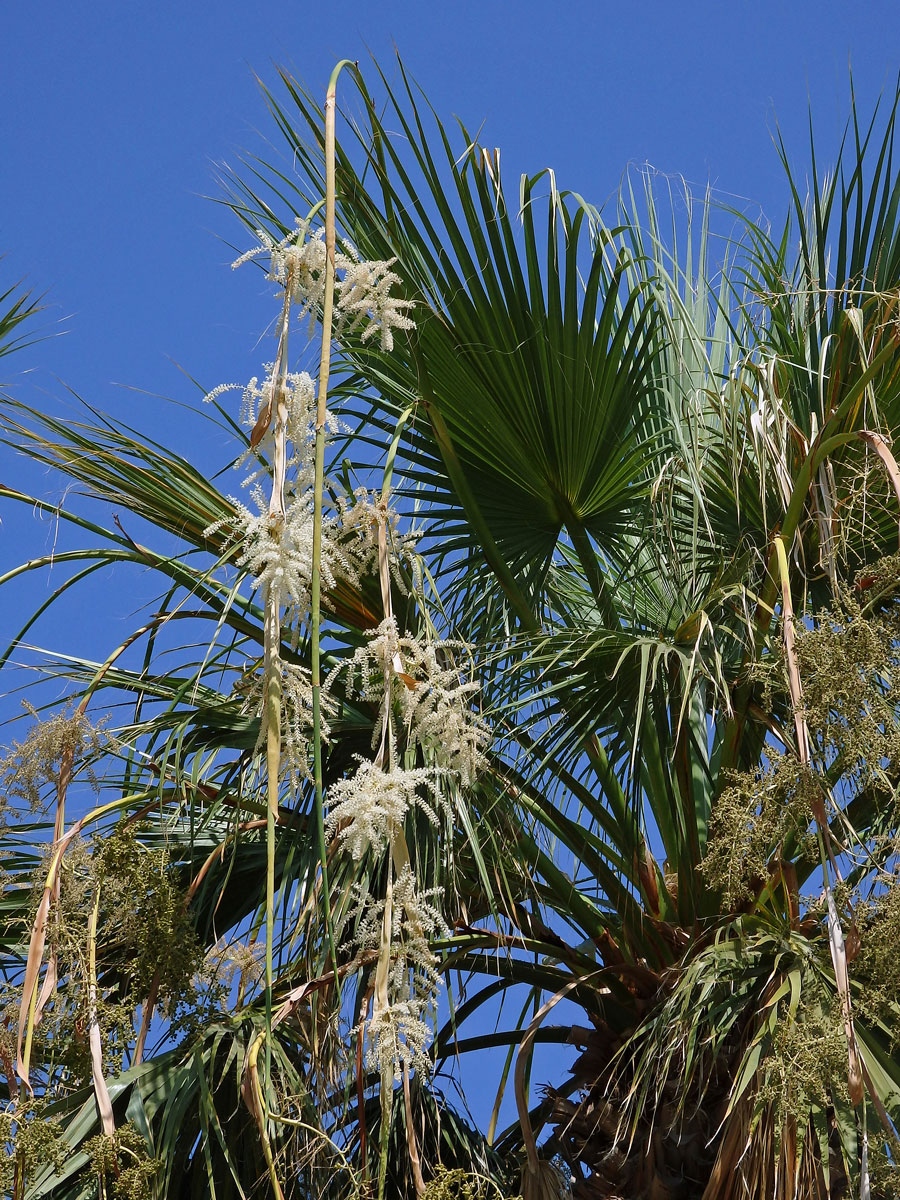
(116, 114)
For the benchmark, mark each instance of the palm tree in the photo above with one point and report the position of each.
(636, 461)
(656, 495)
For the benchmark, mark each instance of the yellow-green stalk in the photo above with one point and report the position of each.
(259, 1108)
(273, 765)
(279, 412)
(321, 418)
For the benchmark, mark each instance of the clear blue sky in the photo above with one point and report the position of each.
(114, 114)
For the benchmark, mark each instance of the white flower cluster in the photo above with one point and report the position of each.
(399, 1034)
(438, 712)
(297, 719)
(363, 297)
(373, 802)
(299, 395)
(296, 716)
(277, 552)
(296, 261)
(360, 517)
(374, 662)
(435, 702)
(364, 300)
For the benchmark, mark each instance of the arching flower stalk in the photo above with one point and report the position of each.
(293, 551)
(318, 491)
(276, 587)
(288, 546)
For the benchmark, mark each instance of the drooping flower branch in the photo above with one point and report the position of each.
(429, 736)
(311, 269)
